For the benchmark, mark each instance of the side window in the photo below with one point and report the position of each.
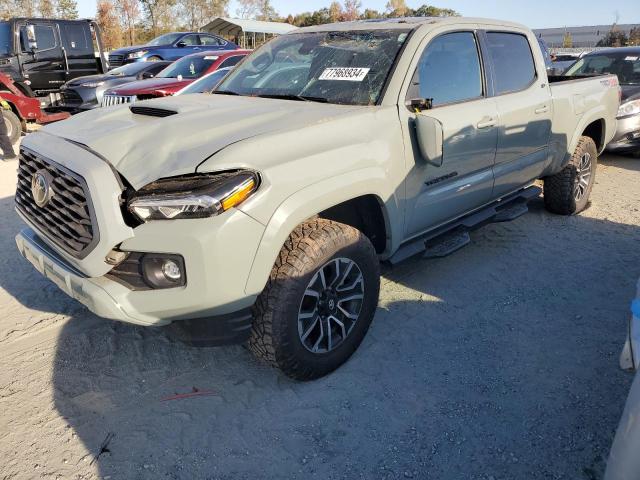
(190, 40)
(514, 68)
(209, 40)
(449, 70)
(44, 37)
(76, 38)
(156, 69)
(231, 61)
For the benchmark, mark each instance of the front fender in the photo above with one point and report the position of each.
(314, 199)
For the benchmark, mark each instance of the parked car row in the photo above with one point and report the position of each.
(144, 80)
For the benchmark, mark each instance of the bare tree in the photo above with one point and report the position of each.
(197, 13)
(67, 9)
(46, 8)
(129, 13)
(335, 11)
(107, 18)
(352, 10)
(247, 8)
(397, 8)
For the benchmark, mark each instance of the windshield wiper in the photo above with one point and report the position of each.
(225, 92)
(300, 98)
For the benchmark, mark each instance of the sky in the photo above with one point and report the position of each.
(533, 13)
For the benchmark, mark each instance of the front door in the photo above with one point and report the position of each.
(450, 74)
(524, 106)
(78, 46)
(41, 56)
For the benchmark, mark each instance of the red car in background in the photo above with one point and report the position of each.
(173, 78)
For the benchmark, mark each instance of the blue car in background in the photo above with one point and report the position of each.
(170, 46)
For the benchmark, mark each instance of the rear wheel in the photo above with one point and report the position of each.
(567, 192)
(155, 58)
(14, 126)
(319, 302)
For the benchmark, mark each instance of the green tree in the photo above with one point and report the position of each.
(567, 40)
(431, 11)
(67, 9)
(634, 37)
(370, 14)
(335, 12)
(614, 38)
(266, 12)
(194, 14)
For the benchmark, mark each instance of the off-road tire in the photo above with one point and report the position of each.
(14, 126)
(275, 336)
(559, 189)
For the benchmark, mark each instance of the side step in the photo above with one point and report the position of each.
(446, 244)
(447, 239)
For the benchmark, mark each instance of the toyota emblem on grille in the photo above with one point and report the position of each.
(41, 188)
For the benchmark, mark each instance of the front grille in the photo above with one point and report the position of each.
(67, 219)
(69, 97)
(109, 100)
(152, 112)
(115, 60)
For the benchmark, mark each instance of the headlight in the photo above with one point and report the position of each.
(629, 108)
(193, 196)
(92, 84)
(138, 54)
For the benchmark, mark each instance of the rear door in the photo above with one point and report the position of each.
(211, 42)
(524, 107)
(77, 44)
(450, 74)
(41, 55)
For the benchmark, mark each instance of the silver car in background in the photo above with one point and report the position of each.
(625, 63)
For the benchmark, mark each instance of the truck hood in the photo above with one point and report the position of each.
(141, 87)
(102, 77)
(144, 148)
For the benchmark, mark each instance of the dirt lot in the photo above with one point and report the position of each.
(498, 362)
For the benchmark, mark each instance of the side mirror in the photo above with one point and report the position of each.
(147, 75)
(181, 44)
(430, 139)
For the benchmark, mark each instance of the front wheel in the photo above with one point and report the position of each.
(567, 192)
(319, 301)
(13, 124)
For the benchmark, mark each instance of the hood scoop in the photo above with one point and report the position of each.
(152, 111)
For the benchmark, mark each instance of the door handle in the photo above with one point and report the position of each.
(541, 110)
(486, 123)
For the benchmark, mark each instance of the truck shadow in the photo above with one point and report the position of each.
(500, 360)
(626, 162)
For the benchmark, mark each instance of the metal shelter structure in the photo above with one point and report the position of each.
(246, 33)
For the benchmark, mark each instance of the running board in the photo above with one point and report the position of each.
(453, 236)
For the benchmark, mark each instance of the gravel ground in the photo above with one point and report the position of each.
(498, 362)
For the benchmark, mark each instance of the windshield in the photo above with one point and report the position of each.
(206, 83)
(166, 39)
(625, 65)
(129, 70)
(188, 67)
(348, 68)
(5, 39)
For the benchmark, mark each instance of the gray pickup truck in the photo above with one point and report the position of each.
(260, 213)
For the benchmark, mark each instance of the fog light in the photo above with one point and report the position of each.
(163, 270)
(171, 270)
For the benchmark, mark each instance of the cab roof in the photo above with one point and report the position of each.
(405, 23)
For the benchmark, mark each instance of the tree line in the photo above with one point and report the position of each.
(129, 22)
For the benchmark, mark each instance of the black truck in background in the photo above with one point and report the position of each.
(40, 54)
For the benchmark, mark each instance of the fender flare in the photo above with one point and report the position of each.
(310, 201)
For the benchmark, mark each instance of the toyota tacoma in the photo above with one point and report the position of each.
(263, 210)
